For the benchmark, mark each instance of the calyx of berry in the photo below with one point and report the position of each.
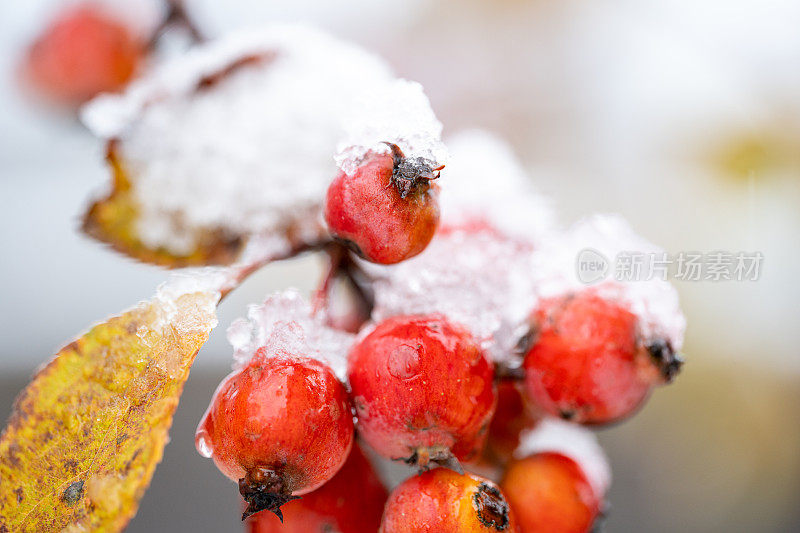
(263, 490)
(423, 458)
(666, 359)
(410, 174)
(491, 507)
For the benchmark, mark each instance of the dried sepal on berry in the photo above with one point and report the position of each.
(351, 502)
(86, 434)
(411, 174)
(443, 500)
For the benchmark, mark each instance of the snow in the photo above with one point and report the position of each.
(654, 301)
(399, 113)
(573, 441)
(475, 278)
(485, 180)
(253, 153)
(207, 283)
(286, 325)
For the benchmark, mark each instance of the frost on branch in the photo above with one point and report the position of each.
(654, 301)
(573, 441)
(86, 434)
(236, 140)
(286, 325)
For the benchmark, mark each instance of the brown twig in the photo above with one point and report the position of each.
(342, 266)
(176, 16)
(336, 255)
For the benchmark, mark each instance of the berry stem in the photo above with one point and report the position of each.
(176, 16)
(336, 255)
(242, 271)
(341, 265)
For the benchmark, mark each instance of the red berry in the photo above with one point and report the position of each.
(351, 502)
(549, 493)
(443, 501)
(423, 390)
(84, 52)
(387, 211)
(587, 363)
(282, 426)
(513, 415)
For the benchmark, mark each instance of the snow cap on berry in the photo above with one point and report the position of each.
(573, 441)
(285, 325)
(476, 278)
(605, 238)
(239, 134)
(397, 113)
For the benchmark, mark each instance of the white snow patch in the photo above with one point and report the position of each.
(475, 278)
(654, 301)
(208, 281)
(398, 113)
(486, 181)
(285, 325)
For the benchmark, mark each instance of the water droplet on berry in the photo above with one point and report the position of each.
(202, 442)
(403, 363)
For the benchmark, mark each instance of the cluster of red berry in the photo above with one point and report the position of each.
(423, 390)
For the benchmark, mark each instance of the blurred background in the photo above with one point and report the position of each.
(683, 116)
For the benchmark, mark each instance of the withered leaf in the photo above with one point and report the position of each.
(86, 434)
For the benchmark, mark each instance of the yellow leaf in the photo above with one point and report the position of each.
(86, 434)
